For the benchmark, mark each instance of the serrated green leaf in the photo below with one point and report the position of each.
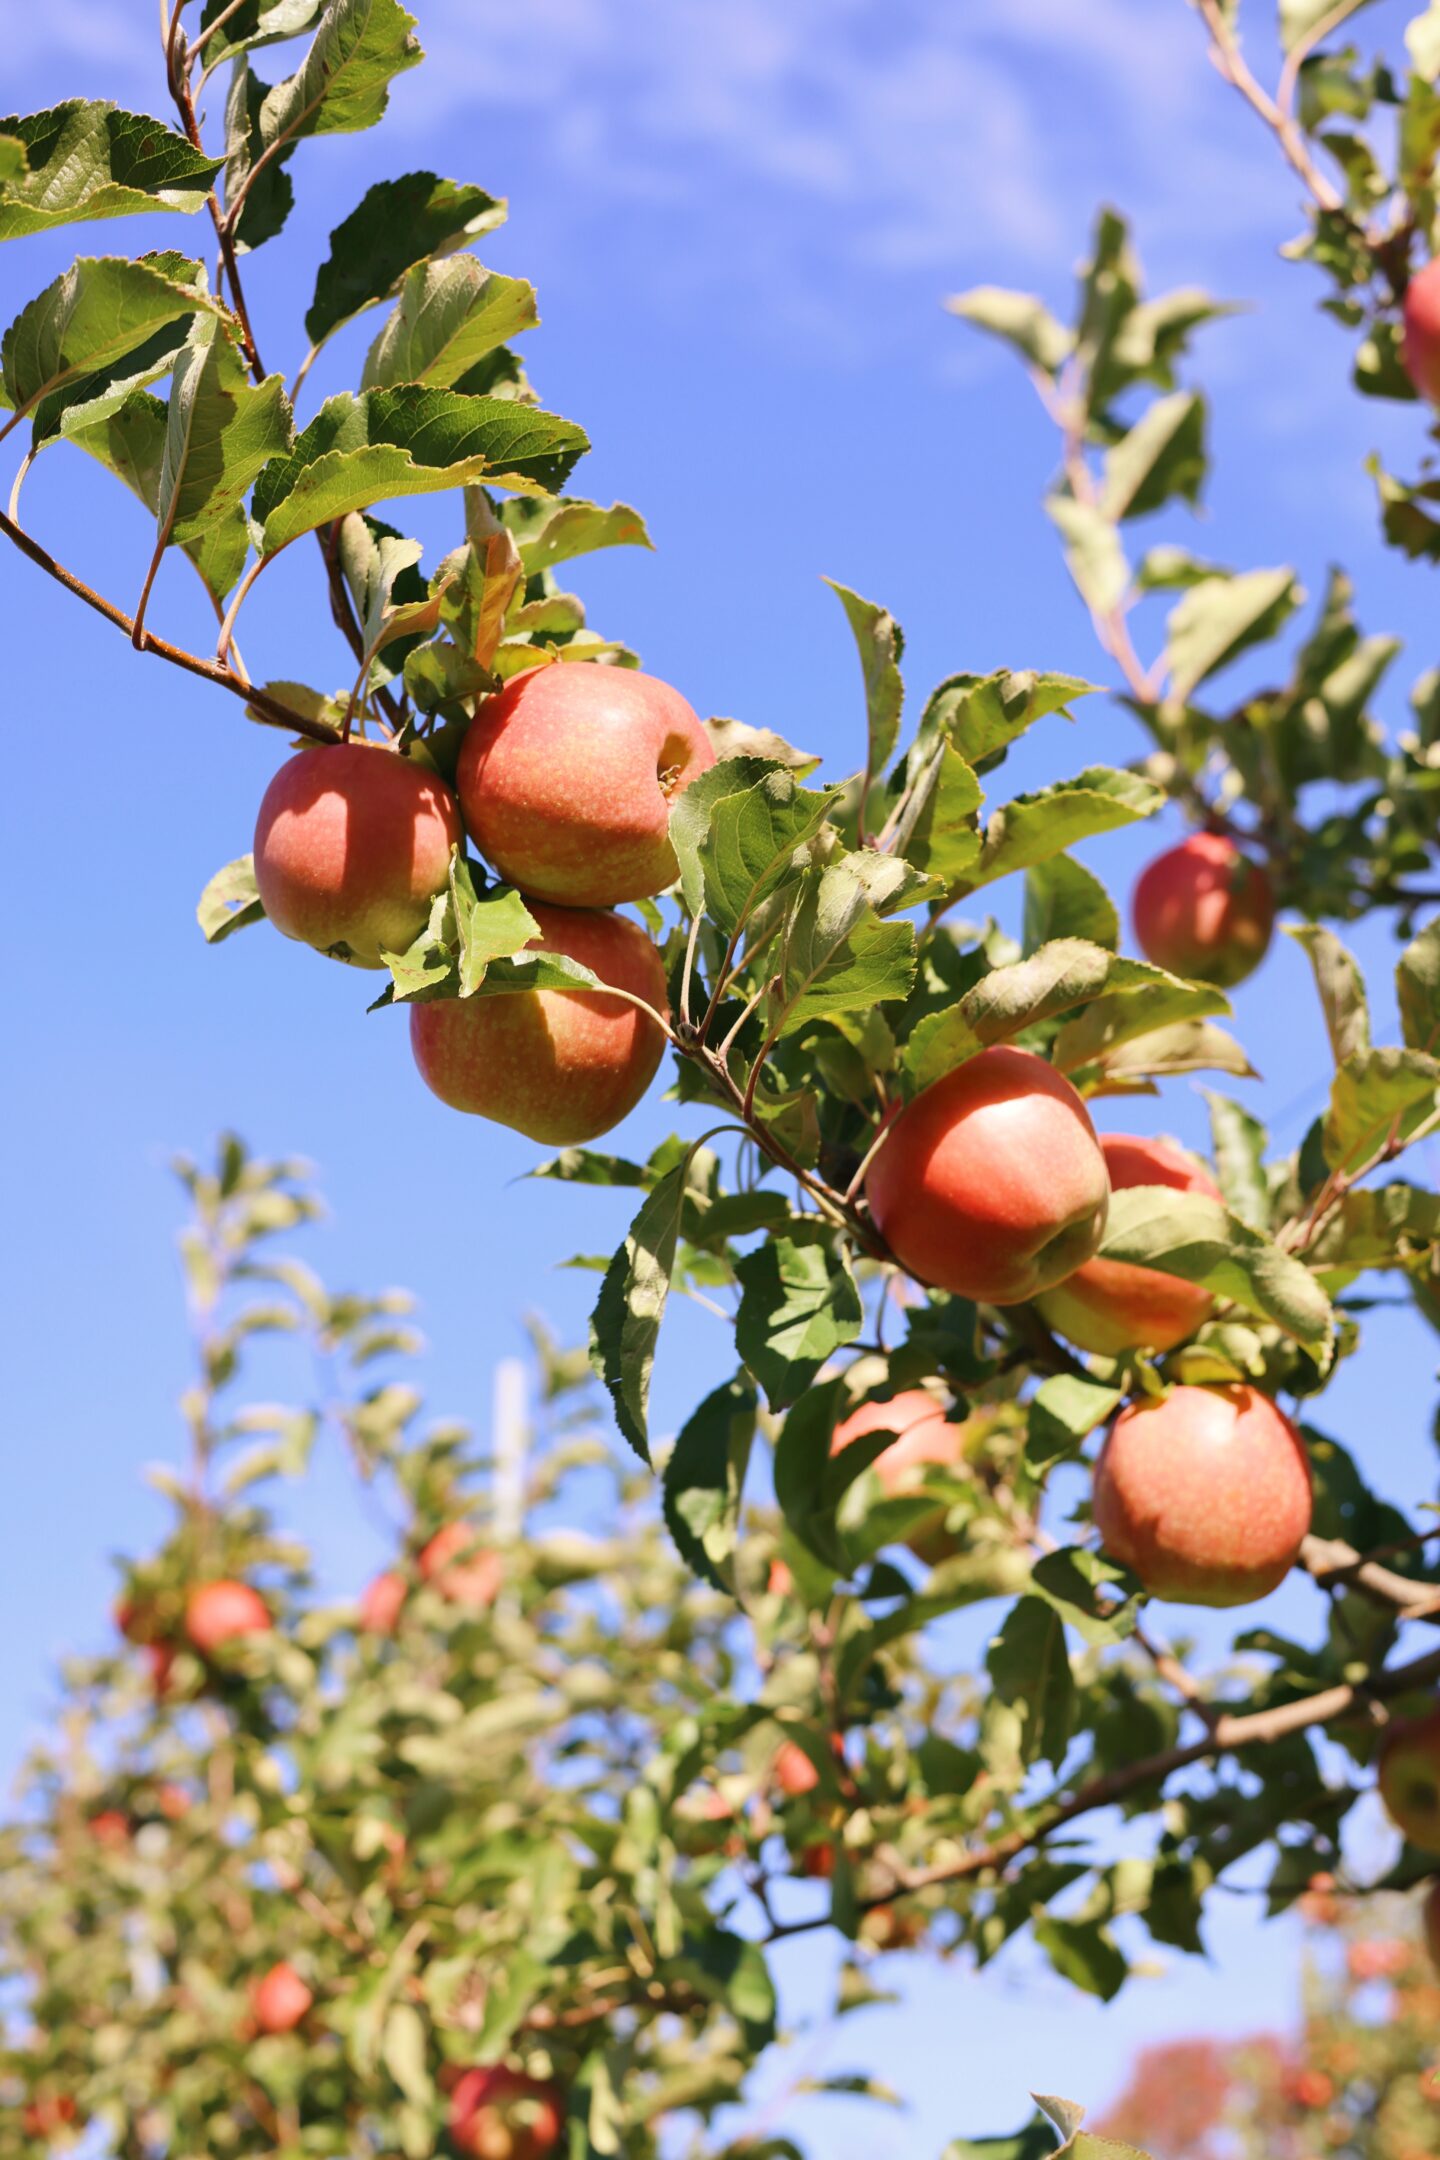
(1138, 999)
(548, 533)
(1034, 827)
(88, 160)
(1341, 987)
(1029, 1668)
(983, 714)
(1022, 320)
(1417, 985)
(230, 901)
(1182, 1046)
(1377, 1100)
(101, 310)
(409, 440)
(836, 953)
(397, 224)
(880, 642)
(625, 1325)
(940, 835)
(491, 926)
(1094, 555)
(1065, 900)
(220, 429)
(130, 442)
(1188, 1235)
(1238, 1141)
(750, 841)
(705, 1480)
(799, 1304)
(1064, 1412)
(1161, 457)
(1218, 618)
(1003, 1004)
(1084, 1953)
(449, 315)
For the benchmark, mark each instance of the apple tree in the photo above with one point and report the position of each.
(490, 1861)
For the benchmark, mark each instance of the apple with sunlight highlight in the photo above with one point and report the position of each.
(381, 1603)
(1205, 1494)
(795, 1773)
(1410, 1779)
(501, 2114)
(220, 1612)
(351, 846)
(1205, 911)
(991, 1183)
(1420, 339)
(1110, 1306)
(560, 1066)
(566, 779)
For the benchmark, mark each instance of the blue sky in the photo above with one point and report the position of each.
(741, 222)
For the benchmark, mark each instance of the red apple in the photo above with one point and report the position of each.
(779, 1582)
(818, 1861)
(566, 779)
(1410, 1779)
(351, 845)
(280, 2000)
(795, 1773)
(219, 1612)
(1109, 1306)
(49, 2115)
(500, 2114)
(1205, 1494)
(991, 1183)
(926, 1438)
(560, 1066)
(1420, 341)
(173, 1801)
(460, 1568)
(381, 1603)
(110, 1828)
(1205, 911)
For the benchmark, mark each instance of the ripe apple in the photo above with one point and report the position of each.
(560, 1066)
(1420, 340)
(1205, 1494)
(1410, 1779)
(49, 2115)
(381, 1603)
(566, 779)
(795, 1774)
(991, 1183)
(110, 1828)
(460, 1568)
(925, 1437)
(219, 1612)
(351, 845)
(500, 2114)
(1205, 911)
(1110, 1306)
(280, 2000)
(779, 1582)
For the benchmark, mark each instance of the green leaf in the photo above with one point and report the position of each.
(84, 160)
(1064, 1412)
(86, 399)
(220, 430)
(1341, 987)
(1035, 2143)
(940, 835)
(1071, 1580)
(1196, 1238)
(407, 441)
(1034, 827)
(1218, 618)
(983, 714)
(102, 310)
(691, 812)
(1003, 1004)
(1417, 985)
(881, 643)
(397, 224)
(491, 926)
(1022, 320)
(230, 901)
(1378, 1100)
(1029, 1668)
(798, 1306)
(1086, 1954)
(1162, 456)
(1094, 555)
(625, 1325)
(236, 29)
(1065, 900)
(1238, 1141)
(130, 442)
(705, 1480)
(837, 955)
(342, 84)
(750, 842)
(404, 2050)
(1182, 1046)
(548, 533)
(1139, 998)
(449, 316)
(1299, 19)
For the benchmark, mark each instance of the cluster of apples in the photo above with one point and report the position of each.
(564, 784)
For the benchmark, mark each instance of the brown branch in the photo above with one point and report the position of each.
(1233, 66)
(1228, 1735)
(1333, 1563)
(268, 707)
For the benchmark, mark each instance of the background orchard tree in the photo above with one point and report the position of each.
(886, 1182)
